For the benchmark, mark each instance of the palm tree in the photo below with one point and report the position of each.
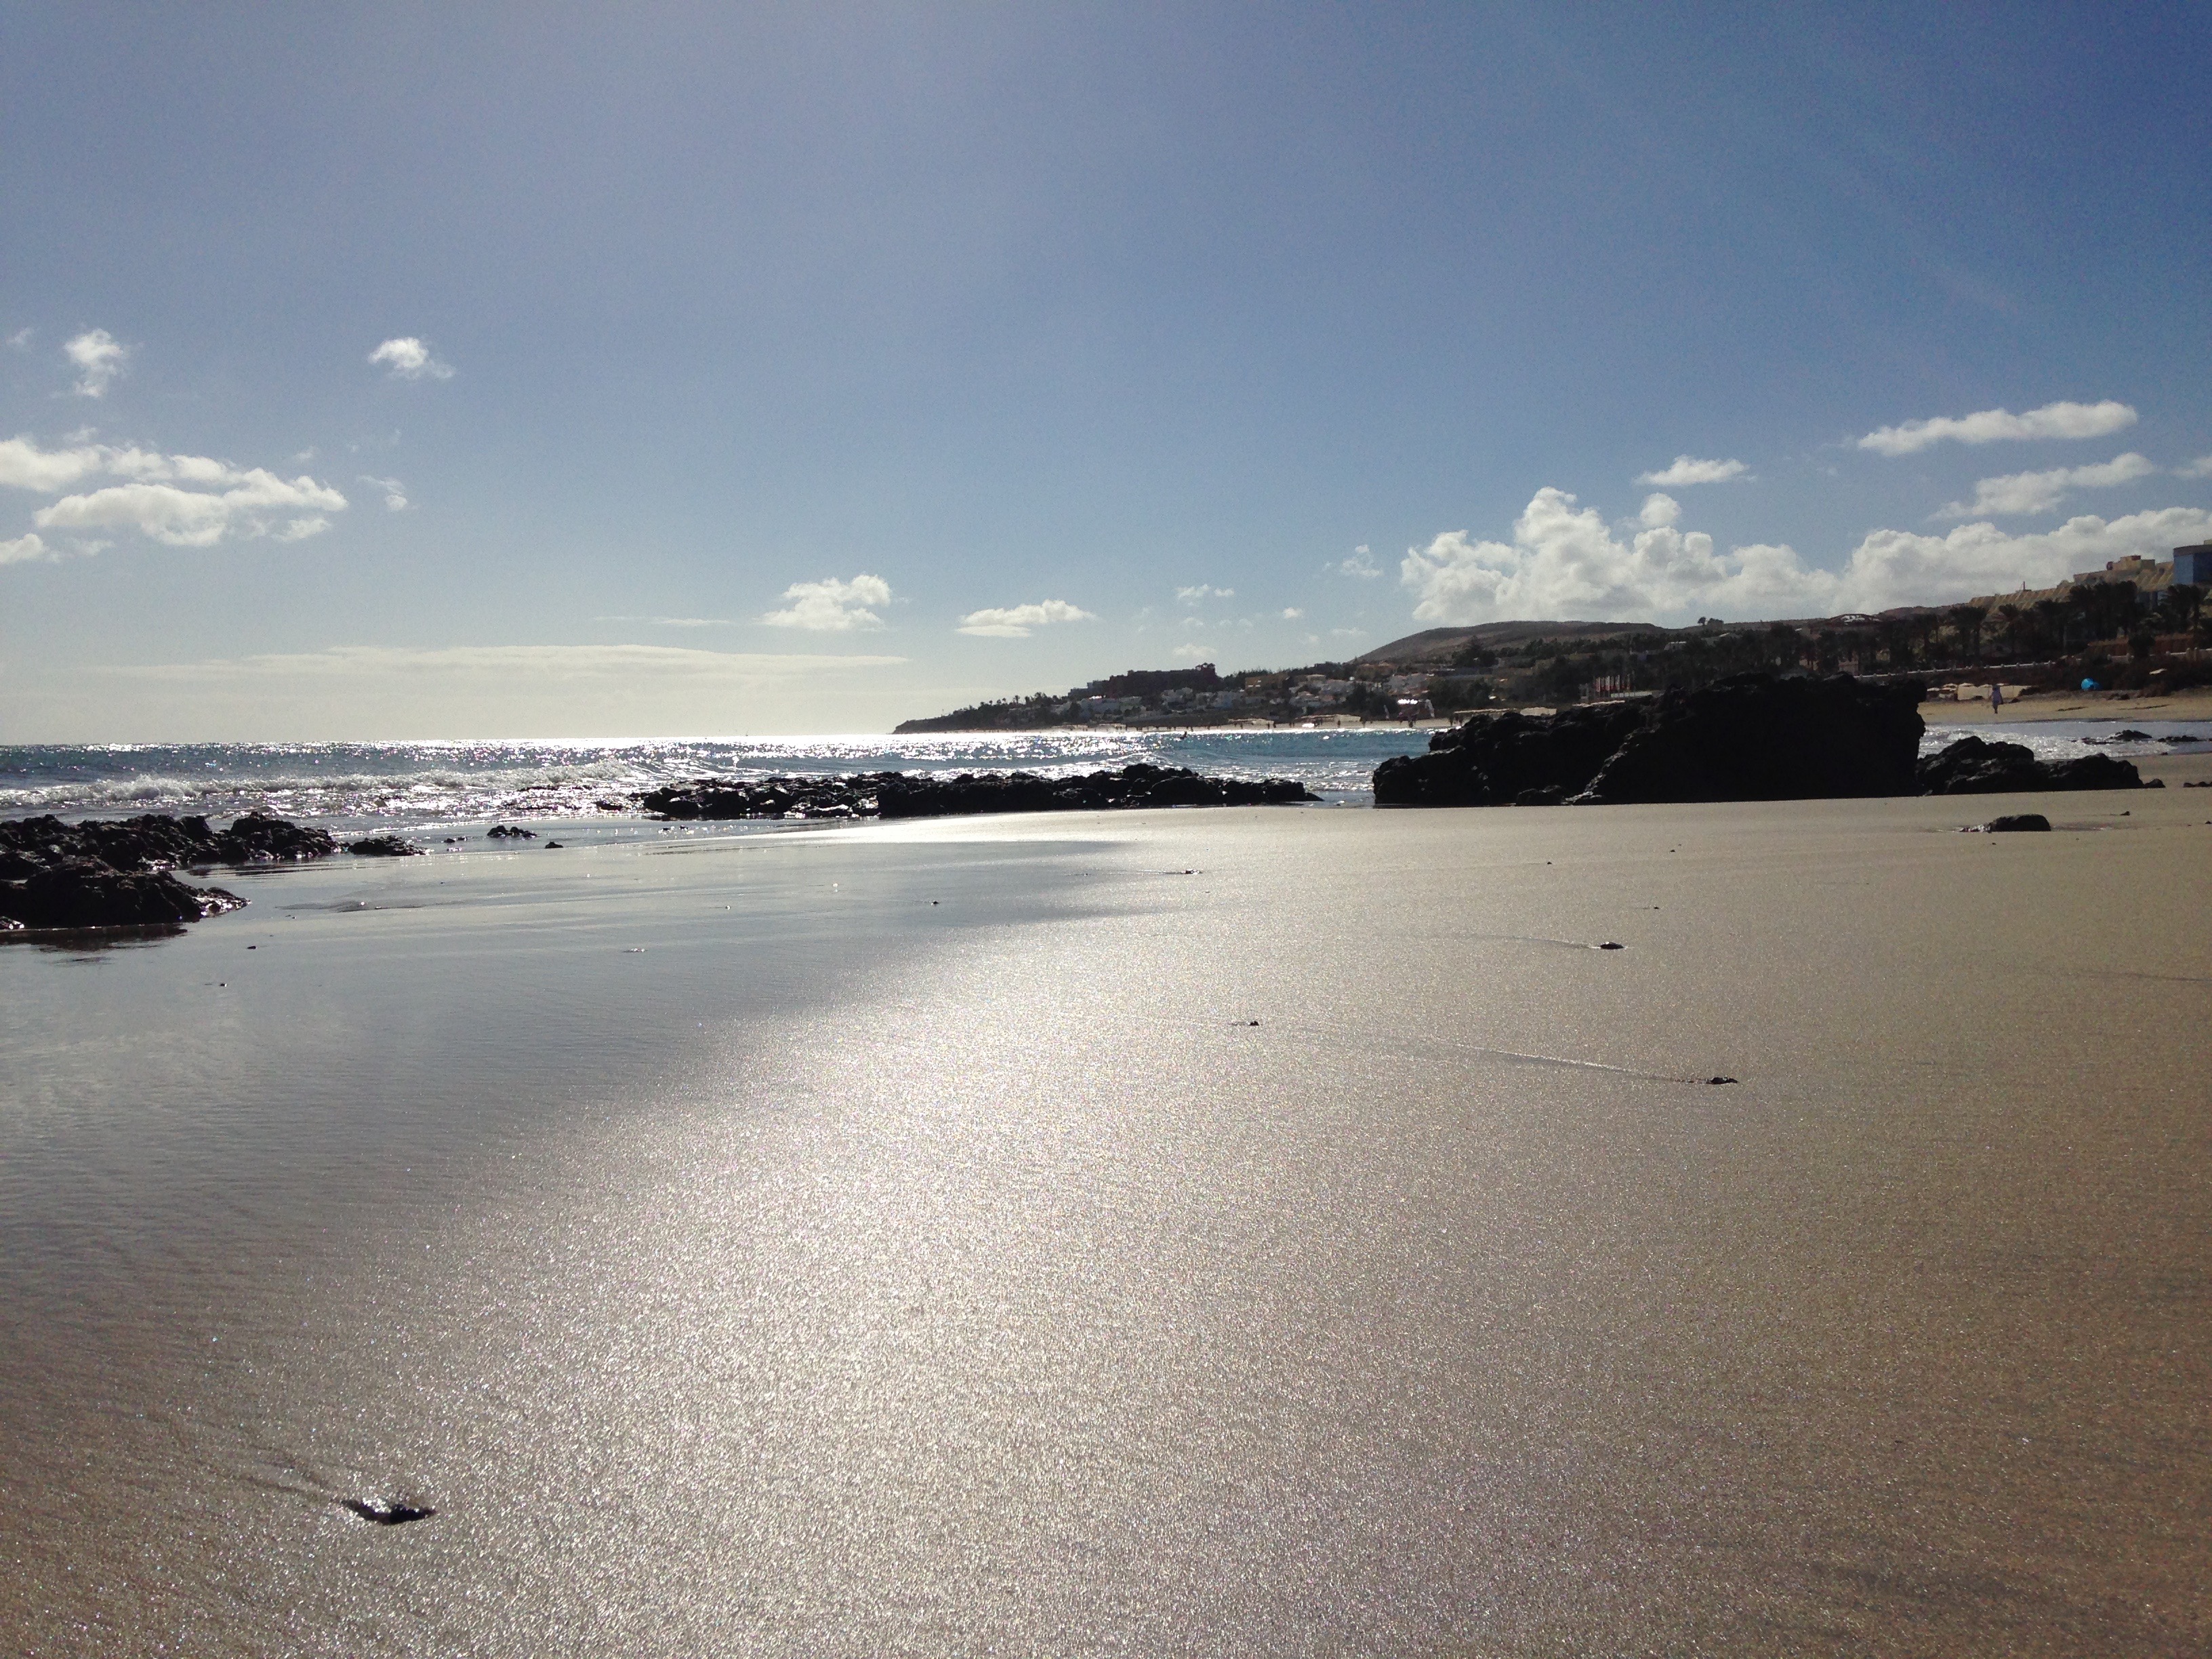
(2048, 618)
(2182, 603)
(2009, 623)
(1966, 622)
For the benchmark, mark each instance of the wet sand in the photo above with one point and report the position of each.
(904, 1240)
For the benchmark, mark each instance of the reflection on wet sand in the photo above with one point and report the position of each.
(971, 1236)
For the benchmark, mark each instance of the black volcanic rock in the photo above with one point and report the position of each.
(1498, 760)
(1751, 738)
(385, 847)
(114, 873)
(1754, 736)
(81, 893)
(1974, 766)
(921, 795)
(156, 841)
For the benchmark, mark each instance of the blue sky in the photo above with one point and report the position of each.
(734, 361)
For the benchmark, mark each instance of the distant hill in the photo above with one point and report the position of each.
(1441, 645)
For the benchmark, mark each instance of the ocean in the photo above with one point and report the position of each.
(425, 786)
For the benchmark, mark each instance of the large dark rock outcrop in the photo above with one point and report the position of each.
(1974, 766)
(159, 840)
(1500, 759)
(81, 893)
(115, 872)
(1751, 738)
(921, 794)
(1757, 738)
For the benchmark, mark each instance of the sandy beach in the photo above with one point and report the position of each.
(1221, 1232)
(2193, 704)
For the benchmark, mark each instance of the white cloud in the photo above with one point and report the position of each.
(409, 359)
(1016, 622)
(1361, 563)
(2199, 468)
(22, 549)
(2020, 493)
(187, 501)
(1563, 562)
(1895, 567)
(20, 340)
(1990, 425)
(255, 503)
(832, 606)
(395, 493)
(100, 358)
(1204, 591)
(1658, 512)
(674, 621)
(1688, 470)
(24, 465)
(1291, 613)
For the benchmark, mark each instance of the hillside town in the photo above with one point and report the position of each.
(2135, 623)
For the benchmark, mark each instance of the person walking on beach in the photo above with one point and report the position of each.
(1997, 696)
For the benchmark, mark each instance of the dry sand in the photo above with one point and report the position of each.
(2194, 704)
(1175, 1233)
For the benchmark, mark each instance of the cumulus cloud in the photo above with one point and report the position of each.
(1361, 563)
(23, 550)
(100, 358)
(1291, 613)
(395, 493)
(1979, 558)
(1565, 562)
(2020, 492)
(409, 359)
(1203, 591)
(186, 500)
(832, 606)
(2199, 468)
(24, 465)
(257, 503)
(1018, 622)
(1991, 425)
(1689, 469)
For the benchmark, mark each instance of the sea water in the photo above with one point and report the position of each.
(401, 786)
(424, 786)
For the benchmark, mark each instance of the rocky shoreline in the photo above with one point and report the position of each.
(59, 877)
(1755, 737)
(923, 795)
(119, 873)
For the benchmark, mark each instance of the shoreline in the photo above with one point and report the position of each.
(2195, 704)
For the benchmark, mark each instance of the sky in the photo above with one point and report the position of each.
(411, 372)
